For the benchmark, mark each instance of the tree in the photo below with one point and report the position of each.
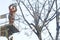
(57, 21)
(36, 12)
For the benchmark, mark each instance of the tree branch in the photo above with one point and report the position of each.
(49, 33)
(27, 8)
(30, 5)
(49, 12)
(25, 19)
(42, 10)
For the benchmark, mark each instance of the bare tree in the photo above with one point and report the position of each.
(36, 12)
(57, 22)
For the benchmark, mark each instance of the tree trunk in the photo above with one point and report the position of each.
(39, 32)
(40, 37)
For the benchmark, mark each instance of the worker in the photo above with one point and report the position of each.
(12, 10)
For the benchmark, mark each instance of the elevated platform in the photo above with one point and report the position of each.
(8, 30)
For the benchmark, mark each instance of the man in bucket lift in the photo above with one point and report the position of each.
(11, 27)
(12, 10)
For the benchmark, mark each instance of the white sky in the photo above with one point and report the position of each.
(21, 36)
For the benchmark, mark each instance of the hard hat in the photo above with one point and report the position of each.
(12, 8)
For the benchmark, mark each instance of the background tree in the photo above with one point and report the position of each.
(57, 20)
